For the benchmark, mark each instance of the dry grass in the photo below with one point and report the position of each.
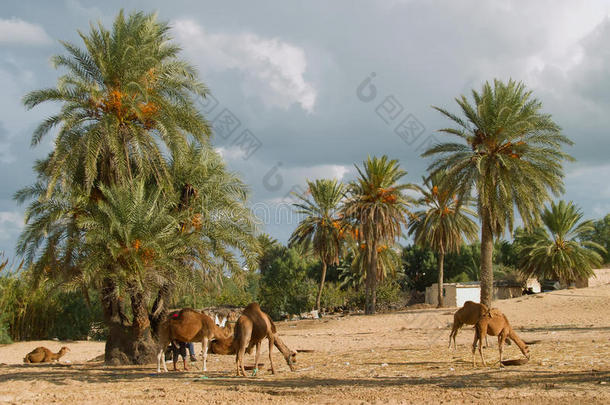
(389, 358)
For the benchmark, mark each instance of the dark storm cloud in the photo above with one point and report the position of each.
(289, 73)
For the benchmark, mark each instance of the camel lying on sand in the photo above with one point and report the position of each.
(187, 325)
(44, 355)
(495, 323)
(469, 314)
(251, 328)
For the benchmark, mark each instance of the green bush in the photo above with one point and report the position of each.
(5, 337)
(333, 296)
(389, 294)
(42, 311)
(284, 285)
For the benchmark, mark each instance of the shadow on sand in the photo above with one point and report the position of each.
(481, 378)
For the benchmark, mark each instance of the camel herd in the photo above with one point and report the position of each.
(486, 322)
(239, 334)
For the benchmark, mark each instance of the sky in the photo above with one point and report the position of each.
(305, 90)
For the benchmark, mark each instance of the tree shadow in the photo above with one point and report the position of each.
(479, 378)
(572, 328)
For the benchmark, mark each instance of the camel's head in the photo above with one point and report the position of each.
(291, 359)
(64, 350)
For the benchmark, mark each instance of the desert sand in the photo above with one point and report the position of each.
(398, 357)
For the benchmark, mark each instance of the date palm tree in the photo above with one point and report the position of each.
(214, 228)
(444, 223)
(127, 115)
(124, 98)
(508, 154)
(559, 249)
(388, 261)
(320, 230)
(376, 209)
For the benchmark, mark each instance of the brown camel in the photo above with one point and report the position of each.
(231, 321)
(469, 314)
(495, 323)
(44, 355)
(251, 328)
(187, 325)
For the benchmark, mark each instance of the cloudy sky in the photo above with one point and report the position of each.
(306, 89)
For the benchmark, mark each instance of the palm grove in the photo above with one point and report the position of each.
(133, 203)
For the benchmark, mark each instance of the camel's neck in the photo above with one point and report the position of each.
(520, 343)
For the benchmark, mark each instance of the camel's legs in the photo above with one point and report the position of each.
(474, 348)
(482, 334)
(454, 330)
(239, 359)
(501, 339)
(241, 362)
(270, 338)
(237, 368)
(204, 343)
(257, 356)
(161, 356)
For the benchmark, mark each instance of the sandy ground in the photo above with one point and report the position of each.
(389, 358)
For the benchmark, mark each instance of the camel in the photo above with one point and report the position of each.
(251, 328)
(495, 323)
(44, 355)
(231, 321)
(187, 325)
(469, 314)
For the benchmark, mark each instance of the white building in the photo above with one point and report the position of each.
(456, 294)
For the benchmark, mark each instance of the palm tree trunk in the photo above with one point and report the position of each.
(371, 281)
(441, 260)
(128, 342)
(487, 275)
(321, 285)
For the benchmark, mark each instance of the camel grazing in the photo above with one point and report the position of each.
(469, 314)
(495, 323)
(44, 355)
(187, 325)
(251, 328)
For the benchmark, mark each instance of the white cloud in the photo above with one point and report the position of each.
(230, 153)
(274, 68)
(11, 223)
(16, 31)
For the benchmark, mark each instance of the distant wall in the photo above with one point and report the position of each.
(602, 276)
(503, 293)
(455, 294)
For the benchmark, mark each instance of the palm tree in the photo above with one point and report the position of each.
(376, 209)
(559, 249)
(133, 239)
(319, 230)
(388, 260)
(444, 223)
(124, 98)
(509, 156)
(128, 115)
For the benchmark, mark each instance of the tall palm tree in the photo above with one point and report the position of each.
(128, 114)
(124, 98)
(376, 209)
(319, 230)
(559, 249)
(444, 223)
(509, 155)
